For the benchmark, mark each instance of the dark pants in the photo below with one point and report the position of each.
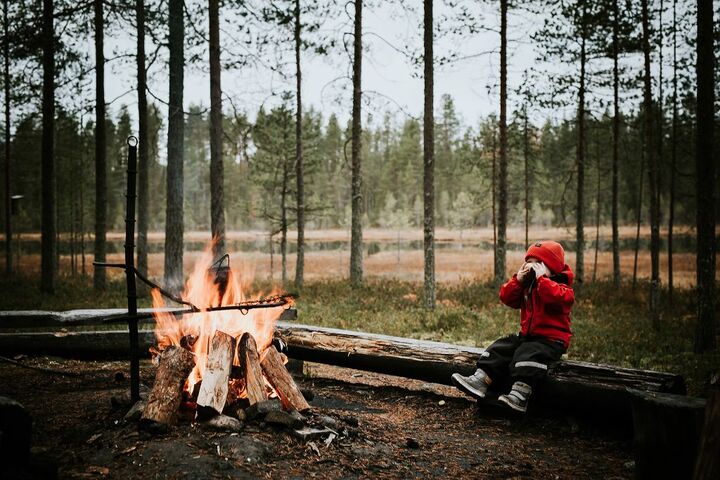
(523, 359)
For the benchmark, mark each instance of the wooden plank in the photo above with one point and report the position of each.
(250, 369)
(214, 387)
(164, 399)
(280, 379)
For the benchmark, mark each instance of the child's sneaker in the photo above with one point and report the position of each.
(518, 397)
(475, 385)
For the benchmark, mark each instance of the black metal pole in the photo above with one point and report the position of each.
(130, 268)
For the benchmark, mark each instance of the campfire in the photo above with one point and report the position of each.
(221, 359)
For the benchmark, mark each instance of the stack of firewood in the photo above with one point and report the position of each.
(220, 379)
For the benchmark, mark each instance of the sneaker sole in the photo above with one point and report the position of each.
(507, 402)
(459, 383)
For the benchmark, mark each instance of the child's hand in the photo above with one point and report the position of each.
(540, 269)
(522, 273)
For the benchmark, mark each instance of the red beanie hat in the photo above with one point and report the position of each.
(550, 253)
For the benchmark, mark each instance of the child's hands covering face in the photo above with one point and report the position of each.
(540, 269)
(522, 273)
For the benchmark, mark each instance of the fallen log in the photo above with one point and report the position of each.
(214, 388)
(70, 318)
(280, 379)
(166, 394)
(707, 465)
(572, 385)
(250, 369)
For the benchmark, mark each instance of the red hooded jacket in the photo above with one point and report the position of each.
(545, 304)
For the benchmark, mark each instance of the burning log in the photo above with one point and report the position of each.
(214, 388)
(280, 379)
(251, 369)
(166, 394)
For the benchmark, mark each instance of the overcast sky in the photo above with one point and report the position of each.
(390, 81)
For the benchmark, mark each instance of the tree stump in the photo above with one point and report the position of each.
(164, 399)
(214, 388)
(280, 379)
(251, 369)
(707, 466)
(667, 428)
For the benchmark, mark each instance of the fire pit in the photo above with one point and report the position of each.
(221, 357)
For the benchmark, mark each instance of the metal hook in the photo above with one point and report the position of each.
(132, 141)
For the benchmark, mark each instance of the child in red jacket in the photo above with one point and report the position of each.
(542, 290)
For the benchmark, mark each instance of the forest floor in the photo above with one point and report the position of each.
(405, 429)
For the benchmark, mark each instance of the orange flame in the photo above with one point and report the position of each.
(203, 292)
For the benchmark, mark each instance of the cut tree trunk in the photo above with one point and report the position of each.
(166, 394)
(667, 428)
(214, 388)
(707, 465)
(280, 379)
(251, 369)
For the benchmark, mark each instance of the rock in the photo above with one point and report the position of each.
(223, 423)
(260, 409)
(15, 432)
(245, 448)
(307, 433)
(285, 419)
(327, 421)
(135, 412)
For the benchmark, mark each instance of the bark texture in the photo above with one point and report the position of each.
(299, 167)
(653, 173)
(48, 240)
(706, 330)
(174, 225)
(166, 394)
(101, 201)
(143, 170)
(217, 177)
(616, 146)
(501, 248)
(429, 160)
(580, 207)
(6, 82)
(356, 239)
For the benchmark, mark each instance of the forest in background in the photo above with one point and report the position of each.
(614, 121)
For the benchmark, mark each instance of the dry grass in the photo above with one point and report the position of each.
(452, 265)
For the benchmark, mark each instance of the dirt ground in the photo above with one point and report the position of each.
(405, 429)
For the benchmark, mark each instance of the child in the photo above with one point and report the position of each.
(542, 290)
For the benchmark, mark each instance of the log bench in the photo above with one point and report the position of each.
(572, 386)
